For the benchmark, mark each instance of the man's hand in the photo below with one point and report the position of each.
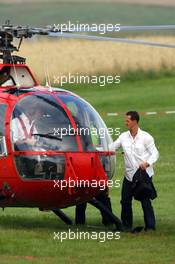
(144, 165)
(31, 141)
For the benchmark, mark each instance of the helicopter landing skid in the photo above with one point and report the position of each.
(114, 219)
(63, 216)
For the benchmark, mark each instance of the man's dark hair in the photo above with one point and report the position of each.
(134, 115)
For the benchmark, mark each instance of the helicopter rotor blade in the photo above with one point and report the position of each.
(100, 38)
(111, 28)
(96, 29)
(127, 28)
(147, 28)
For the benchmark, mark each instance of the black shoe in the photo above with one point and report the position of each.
(137, 229)
(79, 223)
(126, 229)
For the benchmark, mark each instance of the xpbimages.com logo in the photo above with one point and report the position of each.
(85, 27)
(101, 184)
(77, 78)
(85, 235)
(86, 131)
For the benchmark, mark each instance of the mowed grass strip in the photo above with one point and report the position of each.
(45, 13)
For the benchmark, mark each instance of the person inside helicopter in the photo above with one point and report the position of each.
(23, 128)
(5, 78)
(25, 137)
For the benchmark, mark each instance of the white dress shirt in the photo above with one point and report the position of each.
(136, 150)
(17, 129)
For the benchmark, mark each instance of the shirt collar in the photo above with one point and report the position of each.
(138, 134)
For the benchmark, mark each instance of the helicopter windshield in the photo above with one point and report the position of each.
(39, 122)
(42, 122)
(90, 127)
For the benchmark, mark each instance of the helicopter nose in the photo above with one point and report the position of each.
(83, 169)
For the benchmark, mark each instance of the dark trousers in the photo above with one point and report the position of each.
(80, 211)
(80, 214)
(126, 212)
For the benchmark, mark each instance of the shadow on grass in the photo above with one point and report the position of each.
(31, 222)
(46, 222)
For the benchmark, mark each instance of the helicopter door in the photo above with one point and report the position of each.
(3, 147)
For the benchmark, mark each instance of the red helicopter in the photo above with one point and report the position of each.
(45, 160)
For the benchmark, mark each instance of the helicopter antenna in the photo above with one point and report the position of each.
(48, 76)
(47, 73)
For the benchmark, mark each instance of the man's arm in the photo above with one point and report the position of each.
(15, 132)
(115, 145)
(18, 136)
(154, 154)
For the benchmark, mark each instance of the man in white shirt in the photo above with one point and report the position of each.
(23, 127)
(139, 152)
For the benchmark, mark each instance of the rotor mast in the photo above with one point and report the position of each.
(10, 32)
(7, 34)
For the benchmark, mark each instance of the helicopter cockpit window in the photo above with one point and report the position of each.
(38, 123)
(6, 78)
(22, 77)
(12, 76)
(91, 129)
(90, 126)
(39, 167)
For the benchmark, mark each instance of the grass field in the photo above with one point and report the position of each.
(27, 234)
